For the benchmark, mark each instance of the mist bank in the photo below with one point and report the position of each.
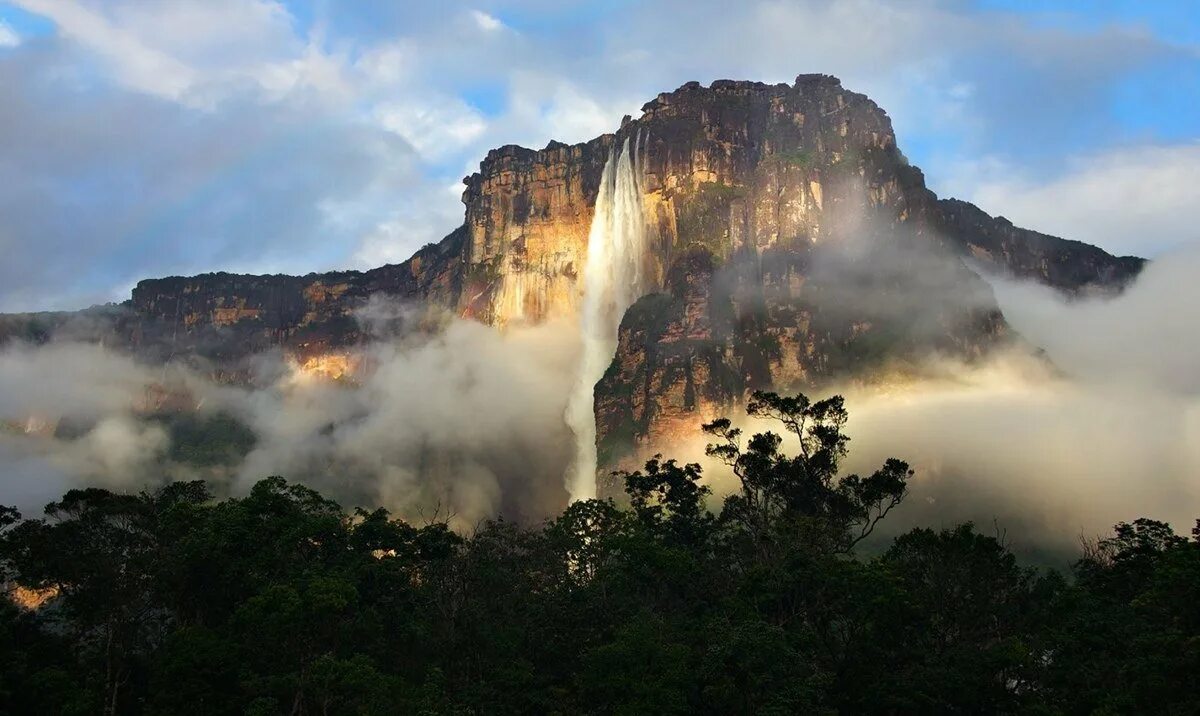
(1101, 425)
(1047, 458)
(441, 415)
(438, 415)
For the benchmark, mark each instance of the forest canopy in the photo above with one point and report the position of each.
(282, 602)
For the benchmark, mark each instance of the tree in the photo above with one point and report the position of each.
(970, 616)
(1126, 638)
(801, 498)
(98, 549)
(668, 500)
(282, 602)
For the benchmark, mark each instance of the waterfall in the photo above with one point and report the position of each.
(613, 278)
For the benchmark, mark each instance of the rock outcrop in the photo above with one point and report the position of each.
(730, 167)
(995, 245)
(791, 243)
(219, 319)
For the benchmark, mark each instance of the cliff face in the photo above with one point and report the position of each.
(527, 219)
(789, 319)
(790, 243)
(219, 319)
(735, 167)
(793, 242)
(996, 245)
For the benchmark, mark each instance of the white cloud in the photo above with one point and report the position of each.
(314, 70)
(387, 64)
(136, 64)
(195, 52)
(390, 242)
(1137, 200)
(454, 82)
(1145, 337)
(437, 126)
(206, 32)
(575, 116)
(486, 22)
(463, 417)
(543, 107)
(8, 36)
(424, 217)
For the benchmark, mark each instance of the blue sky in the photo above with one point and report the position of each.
(141, 139)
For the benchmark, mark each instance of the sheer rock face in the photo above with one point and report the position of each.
(791, 243)
(527, 219)
(734, 167)
(740, 166)
(791, 319)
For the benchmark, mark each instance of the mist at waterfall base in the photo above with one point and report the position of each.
(613, 278)
(454, 419)
(465, 420)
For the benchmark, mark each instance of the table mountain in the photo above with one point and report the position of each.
(789, 243)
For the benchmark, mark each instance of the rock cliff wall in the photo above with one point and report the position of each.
(732, 167)
(791, 243)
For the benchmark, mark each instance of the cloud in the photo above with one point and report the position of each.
(437, 127)
(249, 82)
(69, 417)
(1047, 459)
(196, 53)
(8, 36)
(1145, 337)
(438, 413)
(486, 22)
(138, 66)
(420, 218)
(466, 416)
(387, 64)
(1141, 200)
(99, 190)
(1104, 432)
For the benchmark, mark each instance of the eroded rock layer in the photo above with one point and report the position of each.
(790, 243)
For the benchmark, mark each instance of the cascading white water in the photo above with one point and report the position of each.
(613, 278)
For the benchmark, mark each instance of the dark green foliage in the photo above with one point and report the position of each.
(787, 502)
(281, 602)
(1129, 639)
(704, 216)
(208, 440)
(800, 158)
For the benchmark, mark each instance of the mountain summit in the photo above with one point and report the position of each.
(787, 243)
